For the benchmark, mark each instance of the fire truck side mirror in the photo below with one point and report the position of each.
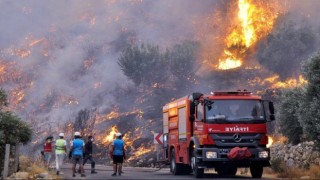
(195, 96)
(271, 108)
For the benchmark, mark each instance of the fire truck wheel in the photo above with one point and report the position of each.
(256, 171)
(175, 168)
(197, 172)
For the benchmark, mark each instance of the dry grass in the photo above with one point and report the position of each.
(314, 172)
(34, 167)
(293, 173)
(279, 167)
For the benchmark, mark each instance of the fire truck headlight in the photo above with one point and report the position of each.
(211, 155)
(263, 154)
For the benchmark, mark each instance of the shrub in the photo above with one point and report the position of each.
(277, 165)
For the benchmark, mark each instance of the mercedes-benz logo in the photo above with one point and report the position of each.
(237, 137)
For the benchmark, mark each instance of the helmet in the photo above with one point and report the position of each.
(61, 134)
(77, 133)
(118, 134)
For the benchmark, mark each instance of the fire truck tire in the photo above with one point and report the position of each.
(197, 172)
(175, 168)
(256, 171)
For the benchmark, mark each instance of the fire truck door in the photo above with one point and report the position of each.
(182, 124)
(165, 123)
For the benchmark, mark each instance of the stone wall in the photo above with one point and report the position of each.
(301, 155)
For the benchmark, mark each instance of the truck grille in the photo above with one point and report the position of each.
(237, 139)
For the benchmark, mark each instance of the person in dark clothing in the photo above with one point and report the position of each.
(88, 154)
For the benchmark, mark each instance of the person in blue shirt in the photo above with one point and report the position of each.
(77, 147)
(118, 154)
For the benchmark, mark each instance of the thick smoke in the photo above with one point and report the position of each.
(65, 53)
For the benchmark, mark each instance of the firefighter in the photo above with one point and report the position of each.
(234, 109)
(118, 154)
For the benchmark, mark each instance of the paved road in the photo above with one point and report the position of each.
(104, 172)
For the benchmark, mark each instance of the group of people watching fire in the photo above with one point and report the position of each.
(80, 152)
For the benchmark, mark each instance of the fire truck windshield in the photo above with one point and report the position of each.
(234, 111)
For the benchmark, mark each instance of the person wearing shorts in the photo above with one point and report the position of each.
(77, 147)
(118, 154)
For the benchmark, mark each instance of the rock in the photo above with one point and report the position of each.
(304, 156)
(21, 175)
(305, 177)
(317, 161)
(310, 143)
(41, 175)
(290, 162)
(315, 154)
(291, 155)
(29, 169)
(300, 149)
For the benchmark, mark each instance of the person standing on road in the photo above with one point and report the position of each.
(47, 149)
(61, 149)
(88, 155)
(118, 154)
(77, 147)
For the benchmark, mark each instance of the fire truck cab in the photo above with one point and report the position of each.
(222, 130)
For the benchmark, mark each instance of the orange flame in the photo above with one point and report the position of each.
(270, 141)
(256, 22)
(110, 137)
(274, 82)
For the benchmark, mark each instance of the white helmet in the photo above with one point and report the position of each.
(77, 133)
(61, 134)
(118, 134)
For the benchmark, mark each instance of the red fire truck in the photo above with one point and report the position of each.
(223, 130)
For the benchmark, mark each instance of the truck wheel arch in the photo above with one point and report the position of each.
(194, 142)
(170, 150)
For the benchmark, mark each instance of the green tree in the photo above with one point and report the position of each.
(309, 111)
(288, 119)
(284, 49)
(143, 64)
(182, 60)
(13, 130)
(3, 99)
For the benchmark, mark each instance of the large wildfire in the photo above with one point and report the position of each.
(255, 21)
(54, 68)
